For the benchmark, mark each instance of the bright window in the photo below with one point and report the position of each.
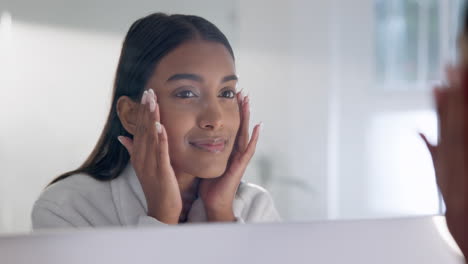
(414, 39)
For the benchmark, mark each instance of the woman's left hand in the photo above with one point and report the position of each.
(450, 155)
(218, 194)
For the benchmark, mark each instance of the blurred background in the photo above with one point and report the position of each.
(343, 88)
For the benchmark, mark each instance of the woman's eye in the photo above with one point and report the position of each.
(186, 94)
(228, 94)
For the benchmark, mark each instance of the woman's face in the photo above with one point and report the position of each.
(196, 89)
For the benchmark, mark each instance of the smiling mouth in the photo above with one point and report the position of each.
(210, 147)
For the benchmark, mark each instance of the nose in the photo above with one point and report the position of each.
(211, 116)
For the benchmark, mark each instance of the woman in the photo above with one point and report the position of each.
(176, 142)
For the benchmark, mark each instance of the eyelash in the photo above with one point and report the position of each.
(183, 94)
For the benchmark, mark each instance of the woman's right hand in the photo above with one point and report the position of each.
(149, 156)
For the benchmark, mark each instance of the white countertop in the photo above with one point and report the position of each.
(410, 240)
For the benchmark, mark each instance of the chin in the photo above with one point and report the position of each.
(211, 173)
(208, 170)
(204, 166)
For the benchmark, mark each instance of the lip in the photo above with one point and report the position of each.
(213, 145)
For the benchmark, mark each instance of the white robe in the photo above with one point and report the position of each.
(82, 201)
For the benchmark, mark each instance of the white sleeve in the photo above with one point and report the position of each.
(148, 221)
(262, 209)
(46, 214)
(239, 220)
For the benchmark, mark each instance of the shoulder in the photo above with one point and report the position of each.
(248, 191)
(78, 200)
(257, 203)
(74, 187)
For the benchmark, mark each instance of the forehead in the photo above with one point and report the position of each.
(200, 57)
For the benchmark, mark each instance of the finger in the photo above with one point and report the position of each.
(144, 98)
(152, 155)
(164, 158)
(153, 100)
(240, 99)
(429, 146)
(453, 116)
(250, 151)
(157, 114)
(127, 143)
(436, 92)
(140, 136)
(463, 76)
(452, 73)
(244, 136)
(440, 96)
(240, 96)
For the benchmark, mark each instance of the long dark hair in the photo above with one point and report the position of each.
(148, 40)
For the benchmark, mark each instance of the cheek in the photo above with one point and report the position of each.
(232, 117)
(177, 123)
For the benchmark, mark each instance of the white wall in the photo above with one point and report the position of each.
(284, 60)
(383, 168)
(55, 86)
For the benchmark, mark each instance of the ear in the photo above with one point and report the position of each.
(127, 110)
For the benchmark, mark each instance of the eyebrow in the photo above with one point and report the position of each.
(230, 78)
(198, 78)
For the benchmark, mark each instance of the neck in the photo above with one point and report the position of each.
(188, 185)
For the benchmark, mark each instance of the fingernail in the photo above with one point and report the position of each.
(247, 100)
(151, 92)
(119, 138)
(261, 126)
(158, 127)
(152, 104)
(144, 97)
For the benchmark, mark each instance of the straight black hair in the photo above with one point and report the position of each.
(148, 40)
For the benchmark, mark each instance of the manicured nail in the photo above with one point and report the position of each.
(261, 126)
(144, 97)
(152, 104)
(151, 92)
(158, 127)
(119, 138)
